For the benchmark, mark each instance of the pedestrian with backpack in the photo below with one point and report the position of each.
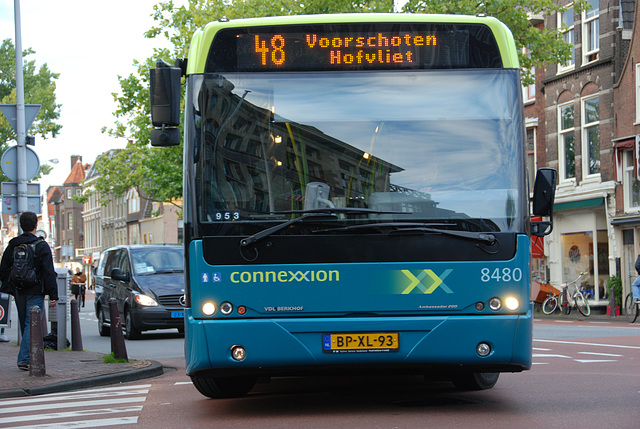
(27, 273)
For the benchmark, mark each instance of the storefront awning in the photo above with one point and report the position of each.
(626, 221)
(582, 204)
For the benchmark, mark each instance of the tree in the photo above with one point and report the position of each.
(39, 88)
(162, 167)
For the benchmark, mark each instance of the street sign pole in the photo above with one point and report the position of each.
(21, 131)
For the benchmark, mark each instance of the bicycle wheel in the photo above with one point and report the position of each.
(549, 305)
(582, 304)
(631, 308)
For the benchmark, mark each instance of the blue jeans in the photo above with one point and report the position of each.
(24, 304)
(635, 288)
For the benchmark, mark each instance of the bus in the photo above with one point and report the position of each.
(355, 198)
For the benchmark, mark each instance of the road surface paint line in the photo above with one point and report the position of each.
(564, 321)
(542, 350)
(540, 363)
(75, 397)
(70, 414)
(537, 355)
(85, 424)
(594, 360)
(599, 354)
(179, 383)
(39, 407)
(588, 344)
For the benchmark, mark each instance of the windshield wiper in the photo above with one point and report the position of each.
(484, 237)
(311, 213)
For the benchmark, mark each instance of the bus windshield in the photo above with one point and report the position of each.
(422, 146)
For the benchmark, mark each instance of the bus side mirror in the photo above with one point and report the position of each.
(164, 91)
(544, 192)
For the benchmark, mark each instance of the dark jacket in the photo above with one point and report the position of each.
(638, 265)
(44, 268)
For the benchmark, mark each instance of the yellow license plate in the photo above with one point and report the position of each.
(361, 342)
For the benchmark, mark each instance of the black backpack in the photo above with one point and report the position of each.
(23, 272)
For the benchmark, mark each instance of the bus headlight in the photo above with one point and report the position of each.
(208, 308)
(512, 303)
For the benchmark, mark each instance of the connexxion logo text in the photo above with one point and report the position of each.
(284, 276)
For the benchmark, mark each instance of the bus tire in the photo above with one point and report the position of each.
(224, 387)
(475, 380)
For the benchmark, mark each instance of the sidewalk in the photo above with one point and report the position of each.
(68, 370)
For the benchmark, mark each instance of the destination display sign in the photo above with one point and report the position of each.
(355, 47)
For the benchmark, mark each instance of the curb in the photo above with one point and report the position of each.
(153, 370)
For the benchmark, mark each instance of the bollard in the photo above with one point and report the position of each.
(117, 339)
(76, 336)
(565, 301)
(612, 303)
(36, 361)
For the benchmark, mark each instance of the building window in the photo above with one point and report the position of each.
(70, 220)
(631, 184)
(133, 200)
(529, 92)
(591, 135)
(591, 31)
(637, 92)
(566, 145)
(565, 26)
(69, 193)
(531, 155)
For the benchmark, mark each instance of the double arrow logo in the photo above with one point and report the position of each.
(431, 282)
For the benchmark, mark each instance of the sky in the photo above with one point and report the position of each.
(89, 44)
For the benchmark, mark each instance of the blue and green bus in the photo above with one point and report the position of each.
(355, 198)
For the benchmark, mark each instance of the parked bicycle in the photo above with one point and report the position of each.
(631, 307)
(577, 300)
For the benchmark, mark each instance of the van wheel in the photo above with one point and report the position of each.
(103, 329)
(130, 331)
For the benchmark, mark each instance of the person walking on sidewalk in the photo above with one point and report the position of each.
(31, 296)
(635, 287)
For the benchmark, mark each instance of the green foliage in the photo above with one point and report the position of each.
(111, 359)
(39, 88)
(615, 282)
(158, 171)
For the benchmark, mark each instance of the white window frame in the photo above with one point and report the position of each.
(570, 30)
(532, 173)
(637, 93)
(584, 128)
(561, 146)
(629, 177)
(529, 91)
(590, 19)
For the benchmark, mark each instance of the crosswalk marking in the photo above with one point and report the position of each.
(85, 424)
(102, 407)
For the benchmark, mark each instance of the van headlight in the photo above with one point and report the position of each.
(145, 300)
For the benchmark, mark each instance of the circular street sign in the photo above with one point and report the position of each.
(9, 163)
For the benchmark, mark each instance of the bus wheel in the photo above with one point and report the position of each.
(475, 380)
(224, 387)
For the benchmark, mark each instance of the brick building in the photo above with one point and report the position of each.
(575, 126)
